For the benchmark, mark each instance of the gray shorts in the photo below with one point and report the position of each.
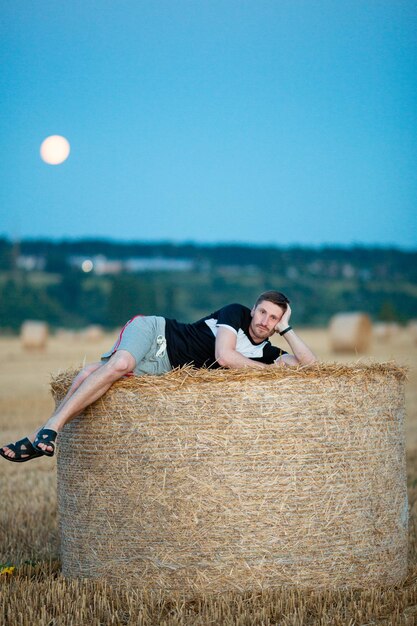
(144, 337)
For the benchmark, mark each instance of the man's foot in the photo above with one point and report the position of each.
(21, 451)
(44, 441)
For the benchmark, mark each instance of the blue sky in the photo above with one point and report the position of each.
(277, 122)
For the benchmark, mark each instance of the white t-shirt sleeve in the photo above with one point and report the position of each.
(228, 327)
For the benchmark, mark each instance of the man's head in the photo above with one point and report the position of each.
(276, 297)
(267, 311)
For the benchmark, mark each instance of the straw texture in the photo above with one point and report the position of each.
(213, 480)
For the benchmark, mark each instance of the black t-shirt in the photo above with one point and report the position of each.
(195, 343)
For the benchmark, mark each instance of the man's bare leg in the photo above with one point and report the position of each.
(80, 378)
(91, 386)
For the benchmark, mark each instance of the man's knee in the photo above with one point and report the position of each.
(121, 363)
(86, 371)
(89, 369)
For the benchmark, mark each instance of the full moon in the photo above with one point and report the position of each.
(55, 149)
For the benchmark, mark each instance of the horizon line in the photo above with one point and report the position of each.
(207, 244)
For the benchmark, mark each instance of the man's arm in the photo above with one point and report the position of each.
(225, 351)
(302, 355)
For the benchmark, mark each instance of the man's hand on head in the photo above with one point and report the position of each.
(284, 322)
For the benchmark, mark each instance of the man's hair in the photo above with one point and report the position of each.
(276, 297)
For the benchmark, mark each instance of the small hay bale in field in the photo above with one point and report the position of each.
(214, 480)
(92, 333)
(412, 329)
(384, 331)
(34, 335)
(64, 334)
(350, 332)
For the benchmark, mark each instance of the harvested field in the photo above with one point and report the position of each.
(33, 591)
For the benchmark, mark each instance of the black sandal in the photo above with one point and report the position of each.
(24, 451)
(46, 436)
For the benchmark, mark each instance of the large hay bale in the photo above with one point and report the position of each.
(350, 332)
(229, 479)
(34, 335)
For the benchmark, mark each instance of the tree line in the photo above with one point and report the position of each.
(318, 281)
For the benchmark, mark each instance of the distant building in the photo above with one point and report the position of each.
(101, 265)
(31, 263)
(158, 264)
(292, 272)
(348, 271)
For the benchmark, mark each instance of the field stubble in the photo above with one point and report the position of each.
(35, 591)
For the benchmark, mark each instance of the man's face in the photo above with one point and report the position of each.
(264, 319)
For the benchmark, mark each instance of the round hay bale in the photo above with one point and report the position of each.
(214, 480)
(412, 329)
(92, 333)
(350, 332)
(384, 331)
(64, 334)
(34, 335)
(381, 331)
